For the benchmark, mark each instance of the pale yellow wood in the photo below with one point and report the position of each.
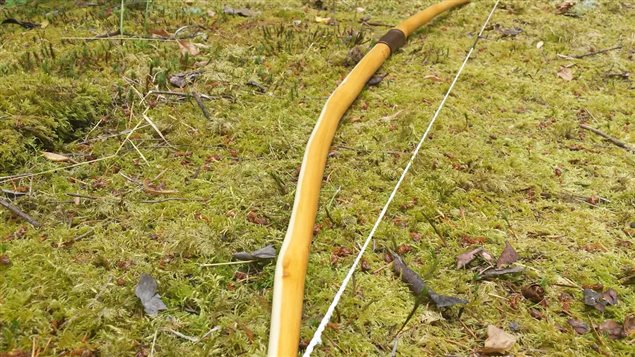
(293, 258)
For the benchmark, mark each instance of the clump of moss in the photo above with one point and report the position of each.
(41, 112)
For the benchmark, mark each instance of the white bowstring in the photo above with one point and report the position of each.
(317, 336)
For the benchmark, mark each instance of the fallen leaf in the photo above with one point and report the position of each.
(257, 85)
(462, 260)
(339, 252)
(594, 299)
(498, 341)
(486, 256)
(182, 79)
(430, 316)
(55, 157)
(376, 79)
(564, 7)
(355, 55)
(612, 328)
(187, 47)
(323, 20)
(540, 44)
(610, 296)
(244, 12)
(534, 293)
(364, 265)
(146, 291)
(565, 300)
(5, 260)
(262, 254)
(578, 326)
(403, 249)
(510, 32)
(508, 256)
(159, 192)
(497, 272)
(160, 33)
(565, 73)
(433, 77)
(254, 218)
(536, 314)
(629, 325)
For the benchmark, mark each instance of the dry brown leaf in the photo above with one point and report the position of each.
(564, 7)
(188, 47)
(160, 33)
(565, 73)
(498, 341)
(629, 325)
(507, 257)
(612, 328)
(580, 327)
(55, 157)
(464, 259)
(433, 77)
(322, 20)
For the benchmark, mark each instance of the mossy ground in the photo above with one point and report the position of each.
(488, 171)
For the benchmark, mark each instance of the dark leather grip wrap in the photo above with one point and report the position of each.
(394, 39)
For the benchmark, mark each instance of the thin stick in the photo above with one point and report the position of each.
(175, 199)
(184, 95)
(613, 140)
(94, 38)
(197, 98)
(4, 179)
(121, 17)
(108, 136)
(154, 341)
(139, 152)
(227, 263)
(18, 212)
(593, 53)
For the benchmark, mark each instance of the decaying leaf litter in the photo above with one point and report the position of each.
(510, 163)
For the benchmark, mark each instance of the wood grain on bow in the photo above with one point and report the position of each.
(288, 294)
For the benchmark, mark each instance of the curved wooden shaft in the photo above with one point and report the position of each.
(288, 292)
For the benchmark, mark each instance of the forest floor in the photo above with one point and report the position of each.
(143, 182)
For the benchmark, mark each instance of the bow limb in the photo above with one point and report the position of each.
(288, 291)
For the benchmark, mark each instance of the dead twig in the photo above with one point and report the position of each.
(187, 95)
(108, 136)
(19, 212)
(593, 53)
(197, 99)
(175, 199)
(613, 140)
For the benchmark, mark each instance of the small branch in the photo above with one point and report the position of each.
(197, 98)
(593, 53)
(175, 199)
(613, 140)
(227, 263)
(154, 341)
(187, 95)
(18, 212)
(4, 179)
(94, 38)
